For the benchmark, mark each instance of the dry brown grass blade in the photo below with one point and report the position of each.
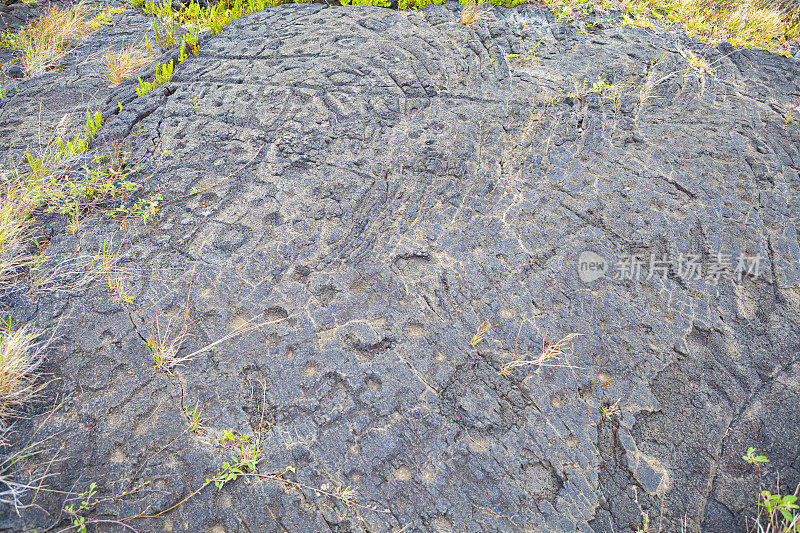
(473, 14)
(19, 358)
(553, 354)
(14, 225)
(769, 24)
(123, 64)
(43, 43)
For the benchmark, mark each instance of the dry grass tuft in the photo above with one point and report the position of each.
(164, 348)
(43, 43)
(553, 354)
(698, 65)
(123, 64)
(473, 14)
(651, 81)
(768, 24)
(14, 224)
(19, 358)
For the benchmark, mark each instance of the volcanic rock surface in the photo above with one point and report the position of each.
(374, 185)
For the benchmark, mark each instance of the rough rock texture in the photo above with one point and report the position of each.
(376, 184)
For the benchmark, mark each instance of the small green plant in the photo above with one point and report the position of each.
(165, 348)
(779, 510)
(792, 113)
(249, 457)
(93, 123)
(784, 505)
(754, 459)
(196, 422)
(42, 166)
(163, 75)
(191, 40)
(604, 90)
(68, 149)
(164, 30)
(105, 262)
(87, 187)
(146, 208)
(182, 55)
(609, 410)
(74, 513)
(162, 10)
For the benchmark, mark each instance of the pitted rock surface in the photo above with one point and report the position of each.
(376, 185)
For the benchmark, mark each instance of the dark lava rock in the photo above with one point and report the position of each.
(374, 186)
(15, 71)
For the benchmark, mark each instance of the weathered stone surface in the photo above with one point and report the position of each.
(376, 185)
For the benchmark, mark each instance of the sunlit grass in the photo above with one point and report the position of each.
(749, 23)
(42, 43)
(123, 64)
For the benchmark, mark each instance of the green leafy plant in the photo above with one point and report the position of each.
(162, 10)
(754, 459)
(42, 166)
(773, 503)
(164, 31)
(248, 458)
(68, 149)
(146, 208)
(163, 75)
(78, 520)
(778, 511)
(604, 89)
(93, 123)
(191, 40)
(182, 55)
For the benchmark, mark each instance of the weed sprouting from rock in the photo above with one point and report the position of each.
(480, 334)
(163, 75)
(776, 513)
